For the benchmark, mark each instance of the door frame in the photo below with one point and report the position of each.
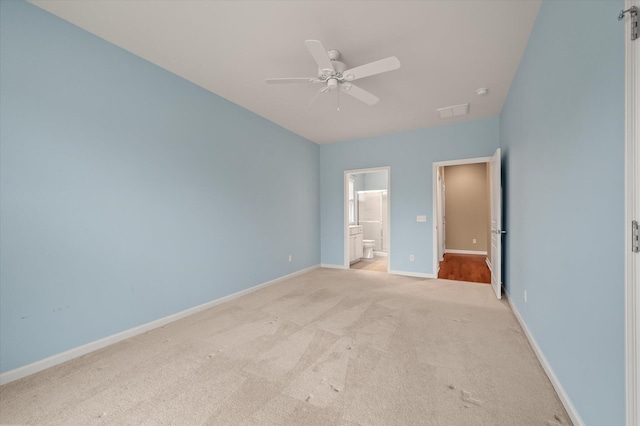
(632, 212)
(440, 215)
(345, 219)
(436, 164)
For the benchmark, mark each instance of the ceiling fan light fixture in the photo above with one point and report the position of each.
(332, 83)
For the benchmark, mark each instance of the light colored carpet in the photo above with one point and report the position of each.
(330, 347)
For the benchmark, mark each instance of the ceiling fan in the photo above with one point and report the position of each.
(334, 75)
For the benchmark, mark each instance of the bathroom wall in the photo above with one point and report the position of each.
(368, 210)
(375, 181)
(466, 204)
(371, 215)
(129, 194)
(359, 181)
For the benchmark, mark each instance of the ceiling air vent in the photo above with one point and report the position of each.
(453, 111)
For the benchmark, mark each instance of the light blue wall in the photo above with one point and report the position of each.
(410, 155)
(562, 134)
(375, 181)
(129, 194)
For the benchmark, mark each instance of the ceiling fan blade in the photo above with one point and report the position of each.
(319, 54)
(291, 80)
(359, 94)
(383, 65)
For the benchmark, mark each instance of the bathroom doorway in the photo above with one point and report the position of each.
(366, 230)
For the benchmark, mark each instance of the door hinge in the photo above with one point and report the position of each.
(635, 237)
(633, 12)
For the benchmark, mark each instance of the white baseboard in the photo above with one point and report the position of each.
(465, 252)
(412, 274)
(564, 398)
(51, 361)
(331, 266)
(488, 263)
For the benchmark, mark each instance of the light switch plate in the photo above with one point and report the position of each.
(421, 218)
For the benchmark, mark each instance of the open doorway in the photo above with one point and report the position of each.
(464, 219)
(367, 219)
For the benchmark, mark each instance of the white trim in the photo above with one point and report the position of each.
(51, 361)
(370, 191)
(434, 192)
(486, 259)
(345, 231)
(465, 252)
(345, 221)
(632, 212)
(332, 266)
(462, 161)
(369, 170)
(412, 274)
(564, 398)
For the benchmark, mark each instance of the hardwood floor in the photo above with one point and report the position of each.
(465, 267)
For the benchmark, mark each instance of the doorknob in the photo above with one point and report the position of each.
(500, 231)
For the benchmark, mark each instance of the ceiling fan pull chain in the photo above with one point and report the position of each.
(338, 98)
(315, 97)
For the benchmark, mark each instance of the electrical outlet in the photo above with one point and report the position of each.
(290, 258)
(475, 241)
(525, 296)
(411, 258)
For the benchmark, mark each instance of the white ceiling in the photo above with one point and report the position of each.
(447, 49)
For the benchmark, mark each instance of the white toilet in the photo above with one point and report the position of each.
(367, 248)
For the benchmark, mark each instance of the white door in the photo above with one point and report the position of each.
(496, 225)
(632, 181)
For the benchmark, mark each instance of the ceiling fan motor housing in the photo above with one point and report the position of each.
(338, 66)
